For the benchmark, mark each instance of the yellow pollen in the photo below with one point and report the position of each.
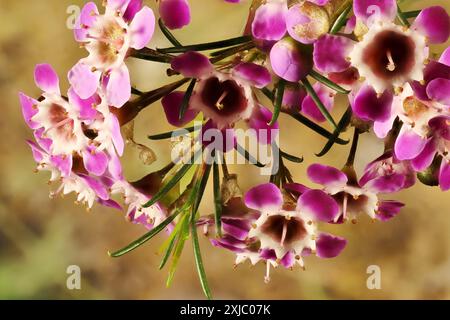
(391, 65)
(219, 104)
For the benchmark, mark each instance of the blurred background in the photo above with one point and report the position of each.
(40, 238)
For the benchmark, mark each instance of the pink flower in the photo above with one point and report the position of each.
(108, 38)
(284, 232)
(355, 198)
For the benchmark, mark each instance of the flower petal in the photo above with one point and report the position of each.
(86, 107)
(318, 205)
(387, 183)
(408, 144)
(326, 175)
(175, 13)
(425, 158)
(269, 22)
(95, 161)
(368, 106)
(142, 28)
(309, 107)
(329, 246)
(434, 23)
(83, 80)
(336, 62)
(46, 78)
(87, 18)
(444, 175)
(256, 75)
(172, 105)
(29, 110)
(264, 197)
(373, 10)
(192, 64)
(388, 209)
(237, 228)
(445, 57)
(118, 89)
(439, 90)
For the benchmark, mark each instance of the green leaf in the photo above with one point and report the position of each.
(181, 240)
(278, 101)
(168, 34)
(217, 200)
(187, 98)
(316, 128)
(312, 93)
(327, 82)
(401, 17)
(341, 20)
(290, 157)
(241, 150)
(175, 133)
(169, 249)
(139, 242)
(173, 181)
(199, 262)
(207, 46)
(343, 123)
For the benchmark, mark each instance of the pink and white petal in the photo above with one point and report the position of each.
(175, 13)
(288, 260)
(237, 228)
(192, 64)
(329, 246)
(264, 197)
(387, 184)
(110, 204)
(63, 163)
(445, 57)
(46, 78)
(115, 167)
(434, 23)
(116, 135)
(309, 107)
(44, 143)
(318, 205)
(382, 128)
(408, 144)
(350, 25)
(118, 89)
(336, 62)
(38, 154)
(29, 109)
(87, 18)
(369, 106)
(444, 175)
(375, 10)
(256, 75)
(95, 161)
(326, 175)
(425, 158)
(388, 209)
(439, 90)
(270, 21)
(117, 5)
(142, 28)
(84, 82)
(259, 120)
(99, 189)
(172, 104)
(134, 6)
(296, 188)
(86, 107)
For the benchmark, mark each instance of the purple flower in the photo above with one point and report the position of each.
(175, 13)
(355, 197)
(108, 38)
(72, 127)
(283, 232)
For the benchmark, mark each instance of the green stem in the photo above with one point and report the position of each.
(207, 46)
(312, 93)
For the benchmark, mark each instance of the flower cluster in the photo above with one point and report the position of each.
(380, 57)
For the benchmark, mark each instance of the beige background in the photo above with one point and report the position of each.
(40, 237)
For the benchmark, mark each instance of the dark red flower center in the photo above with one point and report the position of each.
(391, 54)
(225, 98)
(283, 229)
